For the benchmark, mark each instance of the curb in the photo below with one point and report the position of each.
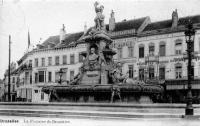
(134, 105)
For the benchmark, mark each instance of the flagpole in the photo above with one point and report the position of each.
(28, 39)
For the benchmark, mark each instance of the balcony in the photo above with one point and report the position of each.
(25, 67)
(151, 58)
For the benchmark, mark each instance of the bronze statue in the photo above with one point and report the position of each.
(99, 19)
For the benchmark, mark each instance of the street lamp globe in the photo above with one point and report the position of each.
(189, 32)
(60, 72)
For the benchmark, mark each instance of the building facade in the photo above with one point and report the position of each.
(40, 67)
(13, 84)
(148, 51)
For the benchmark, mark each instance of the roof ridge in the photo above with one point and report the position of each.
(131, 19)
(179, 18)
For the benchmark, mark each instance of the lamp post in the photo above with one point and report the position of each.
(189, 36)
(60, 72)
(9, 95)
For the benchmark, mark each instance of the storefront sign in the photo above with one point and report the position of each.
(122, 44)
(125, 32)
(168, 61)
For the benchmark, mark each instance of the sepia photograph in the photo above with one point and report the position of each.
(99, 62)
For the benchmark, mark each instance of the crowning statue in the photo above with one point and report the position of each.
(99, 19)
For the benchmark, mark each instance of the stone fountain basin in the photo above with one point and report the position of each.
(146, 88)
(142, 93)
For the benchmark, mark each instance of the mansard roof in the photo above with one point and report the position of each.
(168, 23)
(122, 26)
(129, 24)
(55, 40)
(69, 38)
(51, 40)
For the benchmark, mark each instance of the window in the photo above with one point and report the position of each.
(13, 88)
(151, 73)
(151, 49)
(43, 61)
(80, 57)
(71, 75)
(13, 80)
(162, 50)
(57, 77)
(36, 77)
(31, 78)
(64, 59)
(119, 53)
(178, 47)
(26, 77)
(162, 73)
(36, 62)
(41, 76)
(49, 61)
(18, 81)
(72, 59)
(49, 77)
(57, 60)
(178, 71)
(30, 63)
(130, 71)
(141, 51)
(141, 74)
(130, 51)
(36, 91)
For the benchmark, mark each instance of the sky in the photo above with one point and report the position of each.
(44, 18)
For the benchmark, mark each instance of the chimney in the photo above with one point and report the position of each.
(112, 21)
(85, 28)
(175, 19)
(62, 34)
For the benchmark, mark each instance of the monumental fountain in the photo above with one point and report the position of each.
(100, 79)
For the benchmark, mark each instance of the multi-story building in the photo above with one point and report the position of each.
(157, 50)
(42, 65)
(13, 83)
(148, 51)
(1, 90)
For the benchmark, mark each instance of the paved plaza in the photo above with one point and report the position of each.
(98, 115)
